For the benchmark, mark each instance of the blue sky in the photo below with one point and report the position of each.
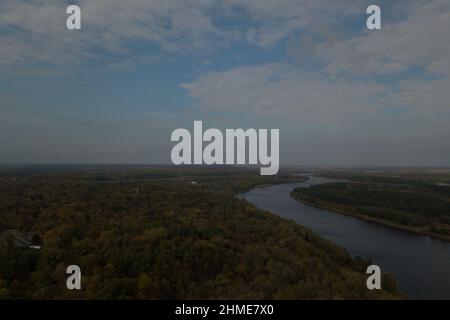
(114, 91)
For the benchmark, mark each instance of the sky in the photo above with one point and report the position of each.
(114, 91)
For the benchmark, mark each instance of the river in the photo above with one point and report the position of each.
(420, 264)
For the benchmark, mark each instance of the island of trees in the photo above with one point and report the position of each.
(411, 202)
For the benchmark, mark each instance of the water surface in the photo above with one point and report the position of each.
(420, 264)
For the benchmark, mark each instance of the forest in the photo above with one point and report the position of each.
(142, 232)
(412, 202)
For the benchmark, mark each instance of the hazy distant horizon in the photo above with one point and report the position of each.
(334, 166)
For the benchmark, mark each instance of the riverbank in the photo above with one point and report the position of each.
(409, 256)
(348, 211)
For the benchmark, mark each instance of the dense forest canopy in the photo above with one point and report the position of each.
(163, 233)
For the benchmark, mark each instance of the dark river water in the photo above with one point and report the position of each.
(420, 264)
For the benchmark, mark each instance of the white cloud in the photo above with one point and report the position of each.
(276, 89)
(285, 91)
(35, 32)
(421, 39)
(347, 81)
